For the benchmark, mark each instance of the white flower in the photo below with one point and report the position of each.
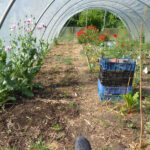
(7, 48)
(145, 70)
(13, 27)
(138, 57)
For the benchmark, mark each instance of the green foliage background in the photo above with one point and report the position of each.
(95, 18)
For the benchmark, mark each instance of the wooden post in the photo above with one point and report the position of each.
(141, 115)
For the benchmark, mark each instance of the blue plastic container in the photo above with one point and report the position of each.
(112, 93)
(113, 90)
(127, 66)
(109, 97)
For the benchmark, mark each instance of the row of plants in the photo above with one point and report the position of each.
(20, 61)
(92, 35)
(110, 46)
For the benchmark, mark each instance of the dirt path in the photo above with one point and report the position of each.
(103, 127)
(67, 106)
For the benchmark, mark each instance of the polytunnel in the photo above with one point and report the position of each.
(55, 13)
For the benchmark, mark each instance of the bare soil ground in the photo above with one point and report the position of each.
(66, 107)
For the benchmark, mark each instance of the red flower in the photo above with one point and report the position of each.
(115, 35)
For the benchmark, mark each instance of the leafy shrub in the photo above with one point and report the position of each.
(20, 62)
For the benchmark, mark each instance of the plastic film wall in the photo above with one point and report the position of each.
(55, 13)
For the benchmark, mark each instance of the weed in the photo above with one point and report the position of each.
(105, 124)
(39, 145)
(69, 58)
(25, 132)
(147, 127)
(121, 121)
(107, 148)
(55, 41)
(147, 97)
(14, 148)
(9, 131)
(58, 57)
(148, 139)
(68, 62)
(66, 93)
(147, 110)
(57, 127)
(59, 108)
(73, 104)
(29, 118)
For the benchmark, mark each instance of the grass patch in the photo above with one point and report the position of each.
(105, 123)
(39, 145)
(68, 62)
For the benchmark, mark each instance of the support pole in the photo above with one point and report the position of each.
(141, 111)
(104, 20)
(86, 17)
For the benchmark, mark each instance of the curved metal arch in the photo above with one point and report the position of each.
(69, 1)
(6, 13)
(97, 1)
(85, 9)
(82, 5)
(2, 19)
(143, 3)
(38, 20)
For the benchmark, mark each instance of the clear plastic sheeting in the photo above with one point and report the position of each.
(55, 13)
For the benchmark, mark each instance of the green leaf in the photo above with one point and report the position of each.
(38, 85)
(11, 99)
(28, 93)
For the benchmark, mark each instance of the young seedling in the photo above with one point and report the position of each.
(131, 101)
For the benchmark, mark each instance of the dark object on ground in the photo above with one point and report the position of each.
(82, 143)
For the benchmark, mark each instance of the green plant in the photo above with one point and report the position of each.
(68, 62)
(59, 108)
(56, 126)
(148, 138)
(73, 103)
(20, 62)
(55, 41)
(96, 17)
(147, 111)
(105, 123)
(5, 148)
(131, 100)
(39, 145)
(147, 127)
(66, 94)
(107, 148)
(9, 131)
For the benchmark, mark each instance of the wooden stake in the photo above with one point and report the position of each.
(141, 115)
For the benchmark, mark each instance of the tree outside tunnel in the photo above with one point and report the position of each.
(95, 18)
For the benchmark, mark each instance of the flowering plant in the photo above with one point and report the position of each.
(91, 34)
(20, 62)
